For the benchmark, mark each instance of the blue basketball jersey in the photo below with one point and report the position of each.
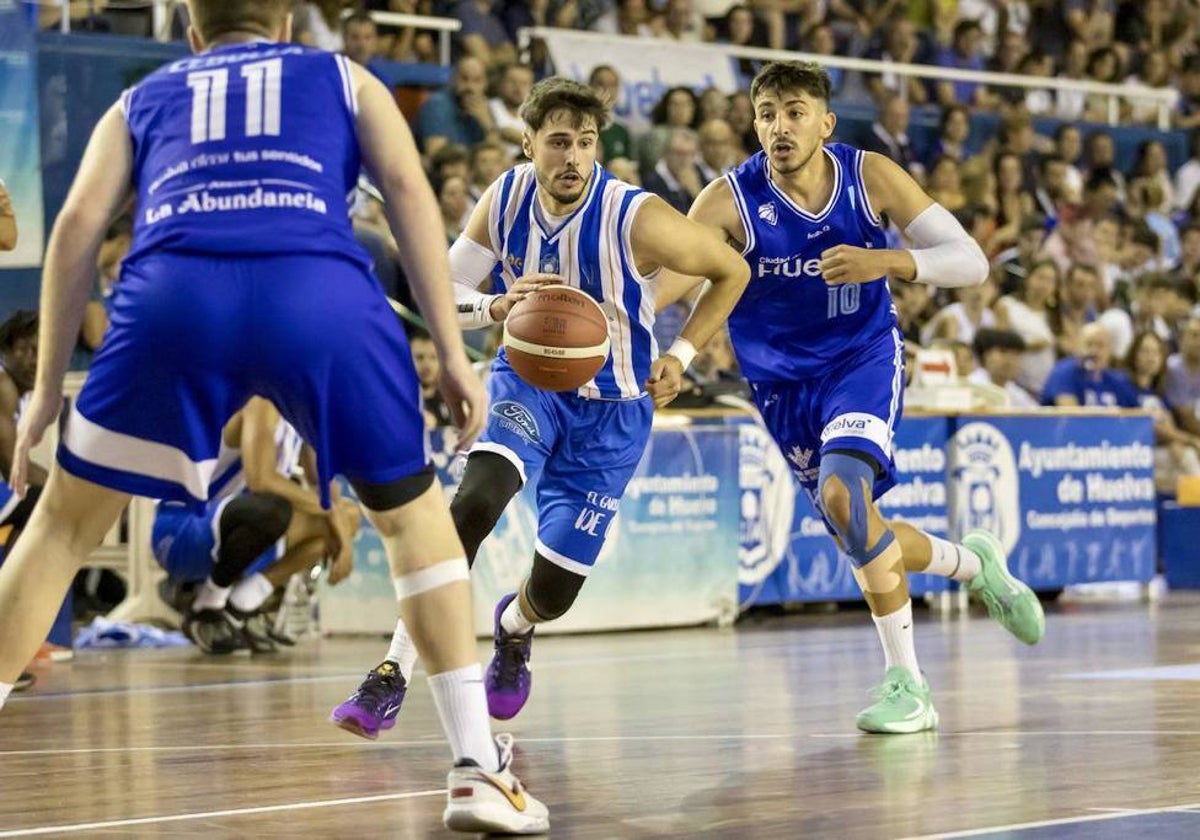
(789, 325)
(591, 250)
(248, 149)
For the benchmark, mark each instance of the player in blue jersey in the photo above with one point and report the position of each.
(244, 279)
(561, 219)
(258, 528)
(816, 336)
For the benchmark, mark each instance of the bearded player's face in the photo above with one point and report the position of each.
(563, 152)
(791, 126)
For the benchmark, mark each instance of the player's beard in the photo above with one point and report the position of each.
(562, 194)
(803, 162)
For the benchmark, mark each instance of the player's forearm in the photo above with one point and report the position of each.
(300, 498)
(714, 305)
(471, 264)
(66, 283)
(944, 255)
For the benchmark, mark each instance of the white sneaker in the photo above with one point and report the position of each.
(479, 801)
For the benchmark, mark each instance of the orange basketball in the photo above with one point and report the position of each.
(556, 338)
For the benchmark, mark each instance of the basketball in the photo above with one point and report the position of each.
(557, 338)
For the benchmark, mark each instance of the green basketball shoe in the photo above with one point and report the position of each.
(1009, 601)
(902, 705)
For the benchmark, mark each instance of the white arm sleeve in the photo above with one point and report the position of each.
(470, 265)
(945, 253)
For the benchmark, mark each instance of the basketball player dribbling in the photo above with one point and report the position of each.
(564, 219)
(244, 279)
(816, 337)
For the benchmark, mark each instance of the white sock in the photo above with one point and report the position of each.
(211, 597)
(462, 707)
(896, 633)
(5, 690)
(250, 594)
(402, 651)
(951, 560)
(513, 619)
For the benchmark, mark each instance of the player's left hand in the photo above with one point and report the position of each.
(43, 409)
(847, 264)
(666, 378)
(343, 533)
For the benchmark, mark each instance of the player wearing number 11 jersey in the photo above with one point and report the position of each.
(816, 336)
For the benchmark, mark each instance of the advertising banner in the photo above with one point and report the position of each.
(20, 164)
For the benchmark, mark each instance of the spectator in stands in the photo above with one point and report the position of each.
(970, 312)
(1187, 177)
(1151, 162)
(1175, 452)
(678, 108)
(1189, 254)
(630, 18)
(741, 120)
(1183, 378)
(1187, 109)
(901, 46)
(1016, 262)
(1147, 202)
(513, 83)
(1079, 301)
(449, 161)
(489, 160)
(361, 39)
(459, 114)
(1151, 305)
(1028, 313)
(1158, 27)
(913, 308)
(953, 130)
(1104, 65)
(1073, 239)
(741, 28)
(627, 171)
(454, 200)
(965, 53)
(1053, 190)
(714, 105)
(676, 178)
(1012, 201)
(615, 141)
(1091, 21)
(1039, 101)
(717, 155)
(1068, 145)
(1000, 353)
(889, 134)
(679, 23)
(408, 44)
(1011, 49)
(944, 183)
(1069, 104)
(1016, 136)
(1087, 379)
(318, 24)
(483, 34)
(821, 40)
(1100, 153)
(8, 221)
(1141, 253)
(1155, 72)
(1106, 234)
(425, 360)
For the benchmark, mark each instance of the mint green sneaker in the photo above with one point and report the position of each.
(902, 705)
(1009, 601)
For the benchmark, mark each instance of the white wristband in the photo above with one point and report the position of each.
(683, 350)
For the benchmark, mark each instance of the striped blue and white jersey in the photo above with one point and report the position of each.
(230, 472)
(591, 250)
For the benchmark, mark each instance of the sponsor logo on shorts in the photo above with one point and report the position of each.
(517, 418)
(800, 460)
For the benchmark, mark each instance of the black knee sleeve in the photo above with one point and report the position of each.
(488, 485)
(250, 525)
(551, 589)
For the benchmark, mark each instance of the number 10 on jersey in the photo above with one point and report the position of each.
(843, 300)
(210, 89)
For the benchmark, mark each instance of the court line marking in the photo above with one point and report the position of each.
(233, 812)
(435, 741)
(1137, 812)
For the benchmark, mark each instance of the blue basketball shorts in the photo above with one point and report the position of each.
(186, 542)
(581, 452)
(192, 338)
(855, 407)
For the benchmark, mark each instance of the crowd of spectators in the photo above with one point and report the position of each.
(1096, 268)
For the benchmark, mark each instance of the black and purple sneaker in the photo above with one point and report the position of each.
(374, 705)
(508, 681)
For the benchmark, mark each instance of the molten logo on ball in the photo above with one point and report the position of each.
(557, 338)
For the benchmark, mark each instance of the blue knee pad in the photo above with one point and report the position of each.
(852, 472)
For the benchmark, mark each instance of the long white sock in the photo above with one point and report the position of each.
(513, 619)
(462, 707)
(402, 651)
(250, 594)
(896, 633)
(951, 560)
(5, 690)
(211, 597)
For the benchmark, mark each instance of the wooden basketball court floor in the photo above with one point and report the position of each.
(742, 733)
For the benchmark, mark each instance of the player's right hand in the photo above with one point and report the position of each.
(463, 391)
(43, 410)
(525, 286)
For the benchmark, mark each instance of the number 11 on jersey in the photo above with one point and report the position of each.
(210, 88)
